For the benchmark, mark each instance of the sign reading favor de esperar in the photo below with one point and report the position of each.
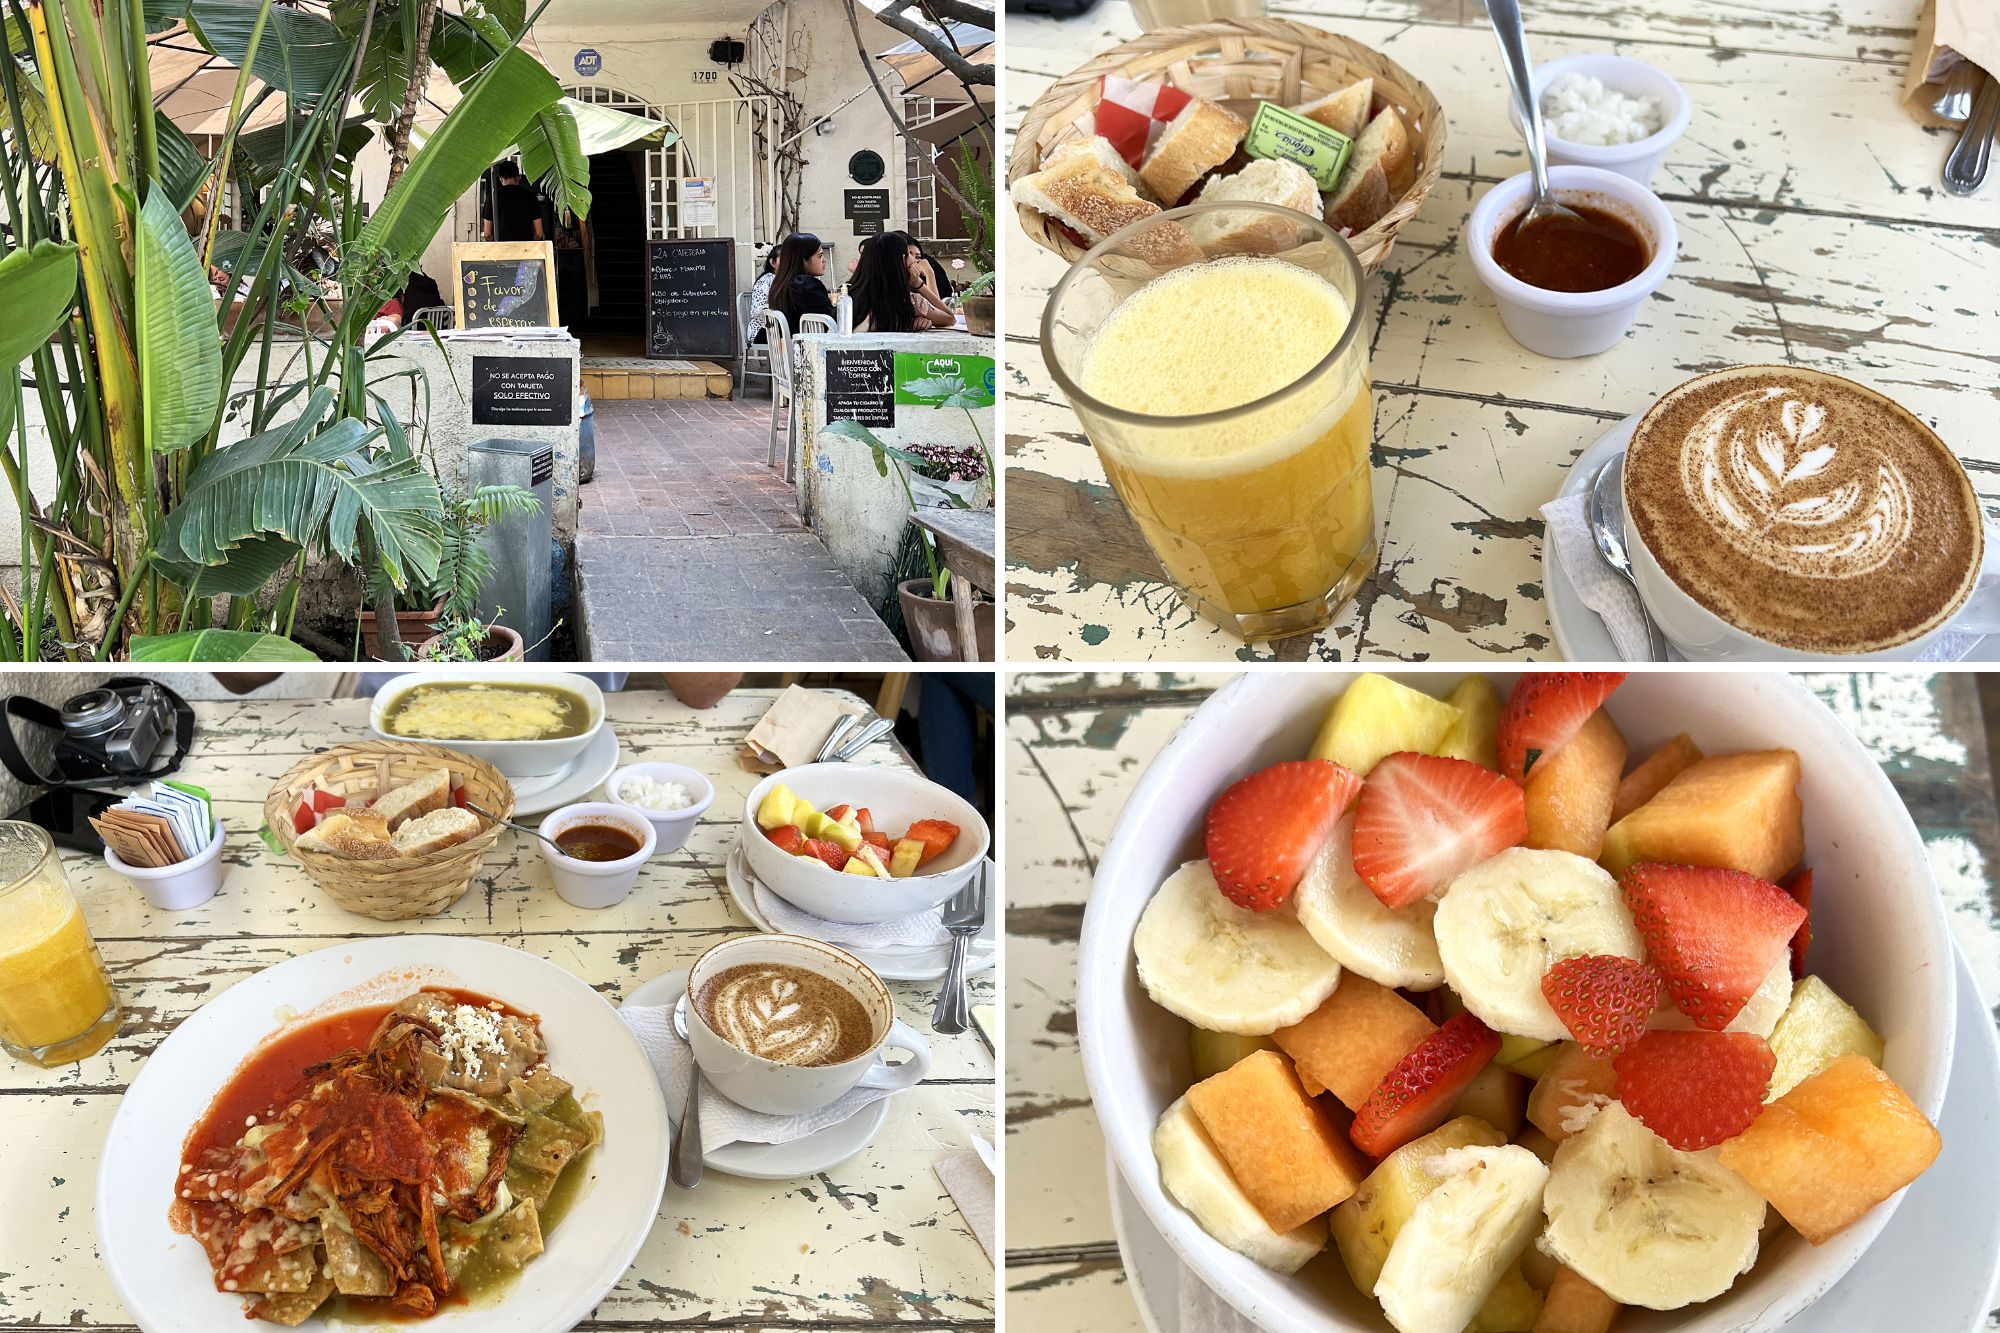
(927, 380)
(522, 391)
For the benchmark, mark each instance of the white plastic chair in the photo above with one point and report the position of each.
(844, 307)
(817, 324)
(437, 316)
(778, 348)
(756, 355)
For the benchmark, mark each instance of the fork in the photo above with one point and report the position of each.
(964, 912)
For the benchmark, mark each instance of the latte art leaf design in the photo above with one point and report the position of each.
(760, 1012)
(1763, 470)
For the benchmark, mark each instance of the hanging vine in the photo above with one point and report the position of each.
(777, 118)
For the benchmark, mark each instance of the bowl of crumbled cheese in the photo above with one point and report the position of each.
(1608, 111)
(670, 797)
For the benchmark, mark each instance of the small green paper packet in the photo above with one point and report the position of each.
(1278, 133)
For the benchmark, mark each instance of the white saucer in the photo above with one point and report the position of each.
(572, 783)
(772, 1161)
(900, 962)
(1934, 1267)
(1579, 634)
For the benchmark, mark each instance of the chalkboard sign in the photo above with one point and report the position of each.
(503, 285)
(861, 386)
(522, 391)
(691, 298)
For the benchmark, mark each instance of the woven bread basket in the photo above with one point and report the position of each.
(1237, 62)
(399, 887)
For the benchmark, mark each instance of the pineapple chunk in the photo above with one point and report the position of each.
(903, 862)
(1573, 1088)
(1659, 768)
(1575, 1306)
(1366, 1225)
(1375, 716)
(1570, 792)
(1736, 811)
(775, 811)
(1833, 1147)
(1285, 1154)
(1512, 1307)
(1497, 1096)
(1476, 733)
(1817, 1028)
(1525, 1055)
(859, 865)
(1351, 1042)
(1214, 1052)
(832, 830)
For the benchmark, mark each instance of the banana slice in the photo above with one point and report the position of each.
(1463, 1237)
(1391, 947)
(1504, 922)
(1194, 1174)
(1649, 1224)
(1224, 967)
(1760, 1015)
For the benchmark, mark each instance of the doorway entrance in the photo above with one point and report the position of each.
(628, 187)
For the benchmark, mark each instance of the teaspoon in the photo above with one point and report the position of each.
(686, 1163)
(1506, 17)
(1607, 527)
(534, 833)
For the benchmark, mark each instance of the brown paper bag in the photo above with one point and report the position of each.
(791, 733)
(1950, 31)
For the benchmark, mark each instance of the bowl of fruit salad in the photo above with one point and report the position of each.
(855, 843)
(1534, 1001)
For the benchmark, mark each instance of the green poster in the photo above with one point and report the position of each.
(923, 380)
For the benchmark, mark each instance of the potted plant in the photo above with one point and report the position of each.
(976, 183)
(463, 569)
(976, 300)
(470, 639)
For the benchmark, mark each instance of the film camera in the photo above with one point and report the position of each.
(113, 732)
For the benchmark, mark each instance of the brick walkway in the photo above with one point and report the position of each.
(690, 549)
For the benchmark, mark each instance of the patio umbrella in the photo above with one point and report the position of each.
(924, 75)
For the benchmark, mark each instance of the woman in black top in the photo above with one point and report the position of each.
(892, 288)
(796, 289)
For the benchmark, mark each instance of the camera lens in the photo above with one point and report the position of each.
(93, 713)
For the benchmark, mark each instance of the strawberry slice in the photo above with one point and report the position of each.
(1800, 887)
(1604, 1000)
(1545, 710)
(838, 813)
(1695, 1089)
(789, 838)
(1713, 935)
(1422, 821)
(874, 839)
(865, 819)
(830, 852)
(1416, 1096)
(1264, 831)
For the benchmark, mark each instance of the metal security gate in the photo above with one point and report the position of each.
(665, 168)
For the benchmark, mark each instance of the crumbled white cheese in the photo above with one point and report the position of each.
(651, 794)
(1580, 109)
(468, 1034)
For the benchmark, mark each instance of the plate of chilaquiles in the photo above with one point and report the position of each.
(408, 1129)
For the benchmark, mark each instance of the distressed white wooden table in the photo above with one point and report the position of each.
(875, 1244)
(1813, 230)
(1076, 745)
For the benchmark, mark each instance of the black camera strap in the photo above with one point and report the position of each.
(41, 715)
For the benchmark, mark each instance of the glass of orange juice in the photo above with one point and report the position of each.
(56, 1001)
(1214, 355)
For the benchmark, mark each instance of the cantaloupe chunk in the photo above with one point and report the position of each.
(1575, 1306)
(1286, 1157)
(1566, 1095)
(1366, 1225)
(1659, 768)
(1570, 792)
(1834, 1146)
(1497, 1096)
(1375, 716)
(1736, 811)
(1352, 1041)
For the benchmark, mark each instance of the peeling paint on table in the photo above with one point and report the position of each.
(1077, 744)
(1813, 231)
(875, 1244)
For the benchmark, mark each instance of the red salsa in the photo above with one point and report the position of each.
(1592, 252)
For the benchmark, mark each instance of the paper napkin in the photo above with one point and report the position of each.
(968, 1178)
(794, 728)
(925, 928)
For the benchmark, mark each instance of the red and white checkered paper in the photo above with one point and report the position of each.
(1131, 114)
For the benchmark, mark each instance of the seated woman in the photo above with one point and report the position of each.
(796, 289)
(894, 290)
(760, 296)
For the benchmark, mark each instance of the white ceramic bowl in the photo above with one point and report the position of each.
(1879, 938)
(896, 798)
(596, 883)
(1566, 324)
(1635, 78)
(176, 888)
(517, 759)
(671, 826)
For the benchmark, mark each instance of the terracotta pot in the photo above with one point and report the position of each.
(411, 627)
(932, 623)
(978, 315)
(502, 645)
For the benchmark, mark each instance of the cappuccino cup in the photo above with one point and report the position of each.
(1775, 513)
(784, 1024)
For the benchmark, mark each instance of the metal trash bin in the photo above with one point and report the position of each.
(520, 591)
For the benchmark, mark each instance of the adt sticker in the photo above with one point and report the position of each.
(589, 63)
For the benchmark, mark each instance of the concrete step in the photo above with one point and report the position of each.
(613, 379)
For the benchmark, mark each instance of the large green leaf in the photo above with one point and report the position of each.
(217, 645)
(246, 569)
(472, 137)
(556, 148)
(301, 54)
(164, 14)
(182, 167)
(603, 129)
(262, 153)
(37, 284)
(180, 345)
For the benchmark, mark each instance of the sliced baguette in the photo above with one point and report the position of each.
(358, 835)
(1345, 110)
(1083, 193)
(1363, 197)
(1387, 140)
(1099, 149)
(436, 831)
(1265, 181)
(1201, 137)
(430, 792)
(1380, 168)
